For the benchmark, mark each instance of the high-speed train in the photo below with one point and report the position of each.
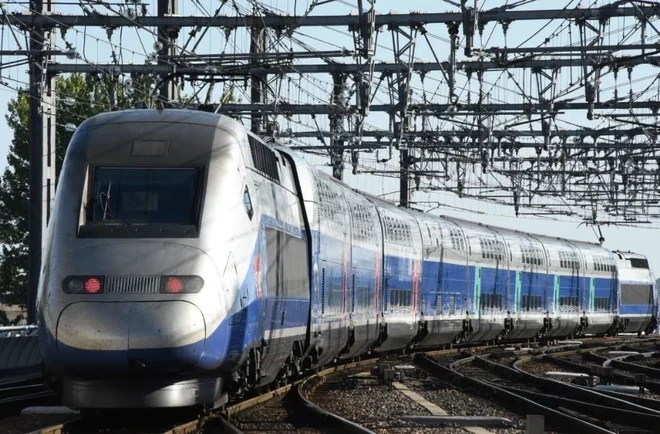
(186, 259)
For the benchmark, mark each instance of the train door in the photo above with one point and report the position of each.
(510, 280)
(439, 281)
(365, 242)
(476, 294)
(464, 298)
(274, 300)
(261, 273)
(436, 251)
(614, 286)
(501, 277)
(547, 281)
(576, 289)
(316, 296)
(585, 284)
(517, 295)
(417, 301)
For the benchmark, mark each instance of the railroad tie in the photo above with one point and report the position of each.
(434, 409)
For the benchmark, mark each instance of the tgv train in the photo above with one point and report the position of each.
(186, 259)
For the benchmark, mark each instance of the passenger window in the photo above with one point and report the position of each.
(248, 203)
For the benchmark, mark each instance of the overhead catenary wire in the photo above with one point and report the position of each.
(491, 88)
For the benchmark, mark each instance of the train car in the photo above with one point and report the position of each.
(365, 294)
(489, 261)
(637, 298)
(402, 273)
(331, 258)
(444, 282)
(187, 259)
(164, 274)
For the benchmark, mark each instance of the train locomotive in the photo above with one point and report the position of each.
(186, 259)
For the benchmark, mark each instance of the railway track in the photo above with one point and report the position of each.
(612, 368)
(291, 408)
(287, 409)
(586, 411)
(475, 379)
(550, 363)
(18, 393)
(14, 399)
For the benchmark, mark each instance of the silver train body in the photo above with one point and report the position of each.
(187, 259)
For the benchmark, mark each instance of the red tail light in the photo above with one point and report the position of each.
(92, 285)
(83, 284)
(174, 284)
(180, 284)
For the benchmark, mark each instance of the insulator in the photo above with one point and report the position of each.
(355, 161)
(128, 87)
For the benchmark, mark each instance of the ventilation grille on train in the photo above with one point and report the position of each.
(264, 158)
(132, 284)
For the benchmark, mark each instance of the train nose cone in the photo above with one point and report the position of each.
(118, 337)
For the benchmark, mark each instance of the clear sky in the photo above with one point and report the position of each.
(135, 45)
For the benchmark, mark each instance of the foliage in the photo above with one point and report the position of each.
(79, 97)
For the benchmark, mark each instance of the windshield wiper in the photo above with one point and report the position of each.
(104, 201)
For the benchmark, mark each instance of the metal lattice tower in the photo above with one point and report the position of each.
(550, 109)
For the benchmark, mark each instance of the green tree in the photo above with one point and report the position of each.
(79, 97)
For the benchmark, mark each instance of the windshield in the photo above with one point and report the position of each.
(128, 196)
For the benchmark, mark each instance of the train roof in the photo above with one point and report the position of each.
(628, 254)
(166, 115)
(465, 222)
(533, 234)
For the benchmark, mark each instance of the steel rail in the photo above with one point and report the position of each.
(562, 388)
(629, 366)
(601, 412)
(515, 402)
(307, 387)
(345, 425)
(619, 377)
